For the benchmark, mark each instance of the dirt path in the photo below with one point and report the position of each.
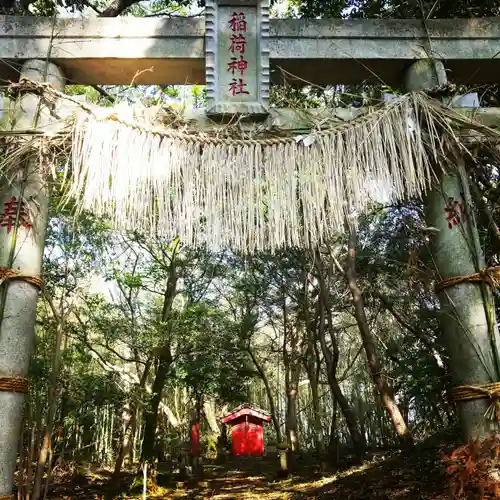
(250, 479)
(398, 476)
(416, 475)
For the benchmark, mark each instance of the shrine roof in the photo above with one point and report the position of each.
(247, 409)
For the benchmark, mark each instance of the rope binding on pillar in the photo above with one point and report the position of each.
(462, 393)
(491, 391)
(490, 275)
(14, 383)
(11, 274)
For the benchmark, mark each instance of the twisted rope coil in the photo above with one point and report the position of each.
(46, 89)
(11, 274)
(490, 275)
(7, 497)
(14, 383)
(491, 391)
(193, 136)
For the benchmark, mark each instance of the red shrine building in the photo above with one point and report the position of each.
(247, 430)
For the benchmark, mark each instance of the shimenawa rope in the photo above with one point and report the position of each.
(110, 115)
(258, 192)
(490, 275)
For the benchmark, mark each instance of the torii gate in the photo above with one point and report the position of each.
(236, 53)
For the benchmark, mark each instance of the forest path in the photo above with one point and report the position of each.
(413, 475)
(253, 478)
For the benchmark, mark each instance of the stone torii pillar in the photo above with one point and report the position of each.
(24, 205)
(467, 336)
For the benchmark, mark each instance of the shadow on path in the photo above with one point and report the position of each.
(411, 475)
(415, 475)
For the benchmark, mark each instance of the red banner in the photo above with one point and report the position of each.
(195, 440)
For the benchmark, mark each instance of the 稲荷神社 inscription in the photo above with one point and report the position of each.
(237, 57)
(238, 64)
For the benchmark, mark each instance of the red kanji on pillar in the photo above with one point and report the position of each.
(9, 215)
(195, 440)
(454, 212)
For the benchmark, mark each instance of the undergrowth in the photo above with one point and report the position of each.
(474, 469)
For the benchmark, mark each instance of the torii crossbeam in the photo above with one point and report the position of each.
(327, 51)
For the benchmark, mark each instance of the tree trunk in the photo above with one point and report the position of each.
(312, 374)
(312, 365)
(125, 439)
(331, 360)
(209, 411)
(52, 407)
(384, 389)
(269, 394)
(151, 415)
(128, 430)
(467, 315)
(46, 448)
(21, 249)
(163, 366)
(292, 374)
(333, 442)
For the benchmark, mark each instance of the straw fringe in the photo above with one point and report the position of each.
(252, 195)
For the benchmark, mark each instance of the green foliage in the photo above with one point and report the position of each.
(321, 8)
(162, 7)
(212, 445)
(406, 9)
(91, 94)
(426, 9)
(199, 96)
(210, 363)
